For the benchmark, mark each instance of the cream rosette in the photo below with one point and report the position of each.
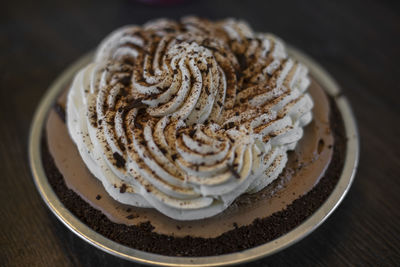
(186, 116)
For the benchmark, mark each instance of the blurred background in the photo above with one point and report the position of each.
(357, 42)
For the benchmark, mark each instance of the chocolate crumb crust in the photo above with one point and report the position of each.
(261, 231)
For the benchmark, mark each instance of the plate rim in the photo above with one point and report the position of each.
(293, 236)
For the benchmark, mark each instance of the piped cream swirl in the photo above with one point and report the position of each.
(186, 116)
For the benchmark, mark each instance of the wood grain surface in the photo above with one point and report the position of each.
(358, 42)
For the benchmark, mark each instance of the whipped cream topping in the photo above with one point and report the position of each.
(186, 116)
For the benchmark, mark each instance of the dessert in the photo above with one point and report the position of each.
(188, 128)
(175, 119)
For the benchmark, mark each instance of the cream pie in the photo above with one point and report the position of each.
(193, 138)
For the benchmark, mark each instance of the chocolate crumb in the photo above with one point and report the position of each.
(122, 189)
(119, 160)
(98, 197)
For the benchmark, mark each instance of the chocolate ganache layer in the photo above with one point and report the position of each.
(185, 117)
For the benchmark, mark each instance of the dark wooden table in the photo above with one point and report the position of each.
(356, 41)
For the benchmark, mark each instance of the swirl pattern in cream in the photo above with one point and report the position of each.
(186, 116)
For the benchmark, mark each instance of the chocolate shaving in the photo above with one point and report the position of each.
(192, 132)
(242, 61)
(138, 125)
(122, 189)
(229, 125)
(126, 80)
(127, 61)
(121, 144)
(210, 47)
(135, 103)
(109, 121)
(143, 142)
(119, 160)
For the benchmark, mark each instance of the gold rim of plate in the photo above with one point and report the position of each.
(116, 249)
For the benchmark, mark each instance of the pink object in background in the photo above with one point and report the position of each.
(161, 2)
